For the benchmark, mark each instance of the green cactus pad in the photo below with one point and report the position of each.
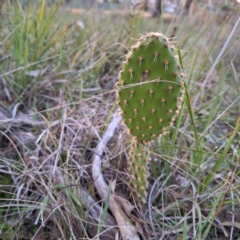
(150, 87)
(138, 166)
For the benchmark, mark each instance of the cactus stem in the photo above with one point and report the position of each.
(142, 65)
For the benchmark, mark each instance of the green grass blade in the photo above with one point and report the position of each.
(210, 50)
(215, 168)
(41, 12)
(104, 213)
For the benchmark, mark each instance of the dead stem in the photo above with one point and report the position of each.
(128, 232)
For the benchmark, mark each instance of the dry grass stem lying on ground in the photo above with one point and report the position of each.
(117, 206)
(57, 101)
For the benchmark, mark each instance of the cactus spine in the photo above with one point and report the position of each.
(150, 96)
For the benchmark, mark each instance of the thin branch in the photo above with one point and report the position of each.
(128, 232)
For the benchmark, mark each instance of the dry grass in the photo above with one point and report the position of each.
(51, 123)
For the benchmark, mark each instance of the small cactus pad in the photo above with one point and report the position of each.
(150, 87)
(138, 166)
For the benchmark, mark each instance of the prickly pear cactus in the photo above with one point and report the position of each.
(138, 169)
(150, 96)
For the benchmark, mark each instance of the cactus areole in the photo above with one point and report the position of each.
(150, 87)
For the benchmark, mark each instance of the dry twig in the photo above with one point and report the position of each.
(128, 231)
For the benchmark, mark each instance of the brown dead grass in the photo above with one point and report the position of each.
(166, 16)
(46, 156)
